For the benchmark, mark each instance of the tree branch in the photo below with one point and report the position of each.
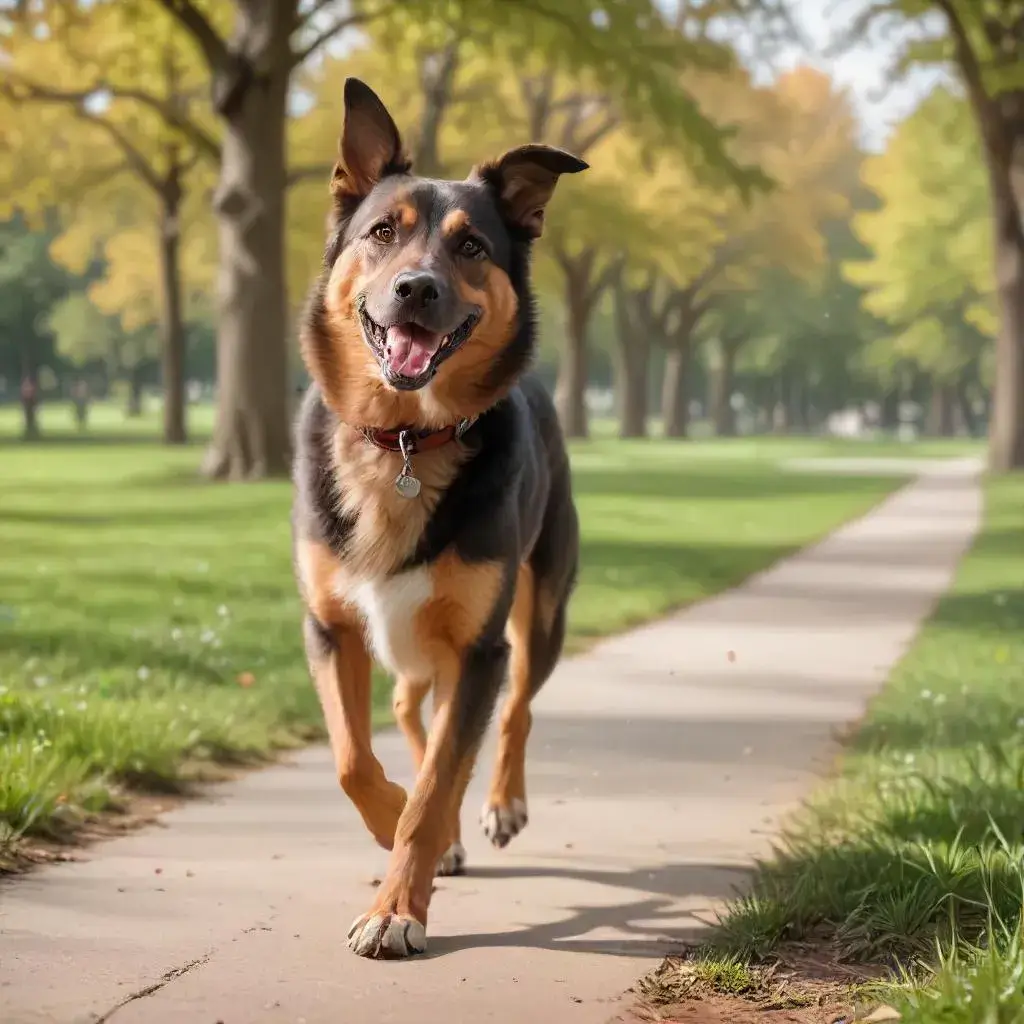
(307, 18)
(336, 27)
(603, 280)
(76, 101)
(595, 135)
(172, 116)
(185, 12)
(134, 157)
(970, 66)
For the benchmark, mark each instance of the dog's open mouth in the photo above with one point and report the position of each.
(409, 354)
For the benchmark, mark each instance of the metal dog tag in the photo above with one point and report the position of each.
(406, 484)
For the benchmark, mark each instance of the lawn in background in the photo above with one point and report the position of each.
(149, 626)
(914, 855)
(108, 422)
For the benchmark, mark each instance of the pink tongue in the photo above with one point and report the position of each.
(410, 348)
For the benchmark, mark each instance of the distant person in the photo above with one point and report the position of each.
(80, 400)
(30, 406)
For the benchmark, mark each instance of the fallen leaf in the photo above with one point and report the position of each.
(246, 679)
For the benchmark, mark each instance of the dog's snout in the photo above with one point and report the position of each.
(418, 287)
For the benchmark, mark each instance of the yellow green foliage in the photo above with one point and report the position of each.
(930, 275)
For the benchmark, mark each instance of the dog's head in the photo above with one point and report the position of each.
(423, 312)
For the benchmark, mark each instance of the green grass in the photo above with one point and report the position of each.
(914, 856)
(133, 597)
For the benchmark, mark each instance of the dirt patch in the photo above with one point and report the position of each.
(133, 811)
(732, 1010)
(806, 986)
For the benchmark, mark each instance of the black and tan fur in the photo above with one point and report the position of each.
(466, 585)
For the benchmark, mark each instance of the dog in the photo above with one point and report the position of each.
(434, 527)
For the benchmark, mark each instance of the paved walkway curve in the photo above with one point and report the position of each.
(659, 765)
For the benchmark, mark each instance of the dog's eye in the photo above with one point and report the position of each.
(470, 247)
(384, 233)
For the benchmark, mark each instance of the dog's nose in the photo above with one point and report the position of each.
(419, 287)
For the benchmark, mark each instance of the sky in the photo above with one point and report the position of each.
(861, 69)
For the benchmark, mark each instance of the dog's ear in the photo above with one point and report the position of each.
(370, 147)
(524, 180)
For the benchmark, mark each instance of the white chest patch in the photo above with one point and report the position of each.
(389, 605)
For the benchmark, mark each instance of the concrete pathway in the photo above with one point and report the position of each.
(660, 764)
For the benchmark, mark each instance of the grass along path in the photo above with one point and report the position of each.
(149, 626)
(913, 857)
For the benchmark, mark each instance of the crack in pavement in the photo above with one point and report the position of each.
(164, 979)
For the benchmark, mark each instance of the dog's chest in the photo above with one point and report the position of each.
(388, 606)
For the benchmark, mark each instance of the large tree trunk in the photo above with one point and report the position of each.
(571, 384)
(632, 362)
(1002, 132)
(675, 397)
(173, 326)
(252, 434)
(724, 414)
(1006, 423)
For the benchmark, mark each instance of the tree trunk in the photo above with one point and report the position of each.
(675, 398)
(1006, 424)
(252, 434)
(632, 363)
(963, 399)
(724, 414)
(571, 385)
(941, 411)
(133, 410)
(173, 326)
(30, 419)
(437, 75)
(890, 411)
(781, 407)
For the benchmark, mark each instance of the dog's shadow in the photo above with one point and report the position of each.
(652, 925)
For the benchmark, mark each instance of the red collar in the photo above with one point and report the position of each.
(414, 440)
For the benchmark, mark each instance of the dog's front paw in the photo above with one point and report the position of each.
(387, 937)
(453, 861)
(501, 824)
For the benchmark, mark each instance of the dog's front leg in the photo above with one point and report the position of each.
(466, 690)
(340, 666)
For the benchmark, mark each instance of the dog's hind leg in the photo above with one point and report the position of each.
(340, 666)
(504, 812)
(407, 704)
